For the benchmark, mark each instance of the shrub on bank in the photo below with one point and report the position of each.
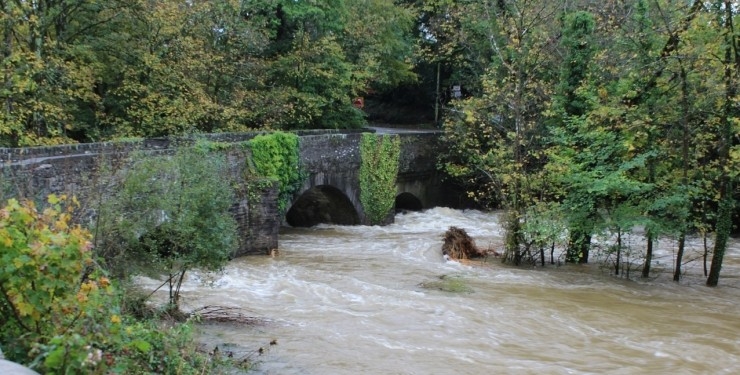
(60, 314)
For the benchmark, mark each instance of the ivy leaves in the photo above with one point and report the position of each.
(378, 171)
(275, 156)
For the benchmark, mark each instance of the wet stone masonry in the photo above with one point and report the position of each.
(328, 157)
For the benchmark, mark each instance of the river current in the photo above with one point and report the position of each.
(351, 300)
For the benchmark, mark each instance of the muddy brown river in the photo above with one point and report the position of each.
(350, 300)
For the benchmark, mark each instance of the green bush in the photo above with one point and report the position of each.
(60, 314)
(47, 292)
(171, 214)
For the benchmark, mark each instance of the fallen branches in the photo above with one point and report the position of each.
(459, 245)
(227, 314)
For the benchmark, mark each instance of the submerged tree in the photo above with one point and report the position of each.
(729, 128)
(497, 138)
(572, 107)
(634, 133)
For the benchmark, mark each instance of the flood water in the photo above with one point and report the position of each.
(350, 300)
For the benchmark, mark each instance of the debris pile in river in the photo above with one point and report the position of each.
(227, 314)
(459, 245)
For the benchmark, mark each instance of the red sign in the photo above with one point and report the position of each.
(359, 103)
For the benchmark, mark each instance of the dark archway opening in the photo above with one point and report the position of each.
(408, 202)
(322, 204)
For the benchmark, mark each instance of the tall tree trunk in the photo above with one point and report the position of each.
(724, 215)
(669, 48)
(177, 289)
(684, 172)
(542, 255)
(7, 52)
(679, 256)
(579, 244)
(706, 251)
(514, 228)
(619, 252)
(512, 251)
(724, 223)
(648, 255)
(552, 253)
(171, 285)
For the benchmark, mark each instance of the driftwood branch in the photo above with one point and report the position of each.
(227, 314)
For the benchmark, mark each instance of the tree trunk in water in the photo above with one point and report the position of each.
(679, 256)
(585, 248)
(724, 215)
(177, 289)
(512, 253)
(706, 251)
(552, 253)
(724, 223)
(542, 256)
(172, 289)
(578, 247)
(619, 251)
(648, 256)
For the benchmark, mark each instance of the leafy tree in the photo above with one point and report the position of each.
(80, 70)
(171, 215)
(729, 127)
(573, 105)
(319, 77)
(497, 138)
(292, 18)
(623, 147)
(234, 69)
(325, 53)
(154, 87)
(379, 47)
(48, 72)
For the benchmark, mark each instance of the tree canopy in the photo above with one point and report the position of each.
(614, 116)
(82, 70)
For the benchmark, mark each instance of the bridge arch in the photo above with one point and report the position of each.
(322, 204)
(408, 202)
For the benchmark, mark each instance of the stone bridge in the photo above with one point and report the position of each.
(330, 193)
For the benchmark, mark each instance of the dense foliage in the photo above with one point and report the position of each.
(604, 116)
(378, 171)
(170, 214)
(83, 70)
(59, 312)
